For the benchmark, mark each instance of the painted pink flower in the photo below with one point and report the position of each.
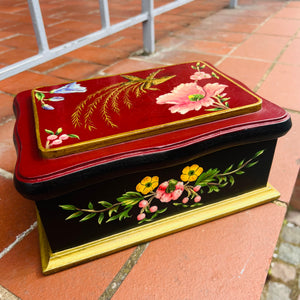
(169, 190)
(143, 203)
(199, 76)
(197, 199)
(190, 96)
(197, 188)
(64, 137)
(51, 137)
(141, 217)
(56, 142)
(153, 209)
(185, 200)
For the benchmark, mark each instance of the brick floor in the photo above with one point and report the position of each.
(258, 42)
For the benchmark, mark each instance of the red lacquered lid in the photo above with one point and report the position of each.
(118, 124)
(86, 115)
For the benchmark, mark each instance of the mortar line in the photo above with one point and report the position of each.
(18, 239)
(292, 111)
(265, 76)
(6, 174)
(227, 55)
(123, 273)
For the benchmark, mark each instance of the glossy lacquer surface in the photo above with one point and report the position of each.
(89, 114)
(35, 174)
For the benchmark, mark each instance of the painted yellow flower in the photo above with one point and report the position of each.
(191, 173)
(147, 185)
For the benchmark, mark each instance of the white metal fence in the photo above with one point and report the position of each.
(146, 17)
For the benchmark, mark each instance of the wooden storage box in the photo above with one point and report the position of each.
(115, 161)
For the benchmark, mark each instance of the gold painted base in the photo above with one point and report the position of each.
(53, 262)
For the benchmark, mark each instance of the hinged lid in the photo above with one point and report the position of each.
(91, 114)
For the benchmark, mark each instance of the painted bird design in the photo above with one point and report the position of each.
(108, 99)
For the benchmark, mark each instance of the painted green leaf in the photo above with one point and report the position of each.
(196, 204)
(213, 188)
(75, 215)
(193, 67)
(223, 184)
(73, 136)
(124, 214)
(225, 99)
(130, 198)
(228, 169)
(206, 177)
(213, 109)
(258, 153)
(115, 217)
(112, 210)
(91, 206)
(40, 96)
(231, 180)
(240, 172)
(241, 163)
(100, 218)
(105, 204)
(68, 207)
(251, 164)
(49, 131)
(87, 217)
(222, 178)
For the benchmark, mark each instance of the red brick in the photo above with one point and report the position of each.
(247, 71)
(208, 47)
(215, 260)
(20, 272)
(52, 64)
(27, 80)
(16, 214)
(286, 91)
(180, 56)
(292, 11)
(277, 26)
(130, 65)
(292, 53)
(6, 110)
(78, 26)
(128, 44)
(22, 42)
(15, 55)
(260, 46)
(76, 71)
(103, 56)
(8, 155)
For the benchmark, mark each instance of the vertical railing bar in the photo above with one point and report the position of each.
(233, 3)
(38, 25)
(104, 12)
(148, 27)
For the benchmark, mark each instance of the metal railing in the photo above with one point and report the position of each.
(146, 17)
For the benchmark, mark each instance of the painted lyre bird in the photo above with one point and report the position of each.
(108, 98)
(148, 82)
